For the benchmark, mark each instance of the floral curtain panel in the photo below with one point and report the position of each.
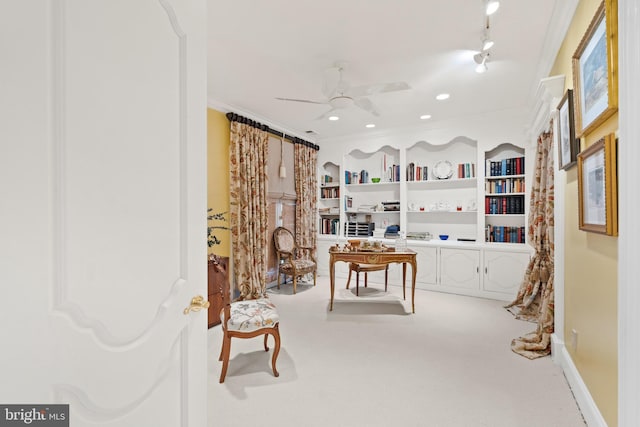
(534, 301)
(248, 202)
(305, 170)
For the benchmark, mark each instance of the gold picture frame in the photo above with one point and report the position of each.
(598, 187)
(595, 70)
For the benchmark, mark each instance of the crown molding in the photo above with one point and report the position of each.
(549, 93)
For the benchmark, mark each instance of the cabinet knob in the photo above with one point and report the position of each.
(197, 303)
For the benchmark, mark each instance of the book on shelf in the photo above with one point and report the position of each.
(505, 234)
(417, 173)
(466, 170)
(505, 167)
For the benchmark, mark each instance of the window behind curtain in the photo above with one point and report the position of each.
(281, 193)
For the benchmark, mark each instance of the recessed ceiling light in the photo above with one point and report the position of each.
(370, 125)
(425, 116)
(334, 118)
(442, 96)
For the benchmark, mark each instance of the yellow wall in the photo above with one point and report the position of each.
(218, 176)
(591, 262)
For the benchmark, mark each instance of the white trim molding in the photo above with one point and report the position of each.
(585, 401)
(628, 205)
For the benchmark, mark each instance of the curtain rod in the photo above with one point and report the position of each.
(233, 117)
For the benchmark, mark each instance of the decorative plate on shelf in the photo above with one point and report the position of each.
(443, 169)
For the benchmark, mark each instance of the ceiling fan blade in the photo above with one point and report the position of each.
(331, 80)
(366, 105)
(378, 88)
(325, 115)
(306, 101)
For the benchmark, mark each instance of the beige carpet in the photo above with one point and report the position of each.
(371, 363)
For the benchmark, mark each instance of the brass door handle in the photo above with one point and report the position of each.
(197, 303)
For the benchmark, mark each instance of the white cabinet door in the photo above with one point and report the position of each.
(322, 256)
(427, 259)
(460, 268)
(504, 271)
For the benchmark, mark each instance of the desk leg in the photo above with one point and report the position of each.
(332, 277)
(414, 267)
(404, 280)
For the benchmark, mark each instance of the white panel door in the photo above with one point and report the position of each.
(504, 271)
(103, 192)
(460, 268)
(427, 258)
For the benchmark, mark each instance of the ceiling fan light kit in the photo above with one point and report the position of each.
(340, 95)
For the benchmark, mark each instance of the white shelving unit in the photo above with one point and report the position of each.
(441, 202)
(453, 205)
(505, 195)
(365, 200)
(329, 199)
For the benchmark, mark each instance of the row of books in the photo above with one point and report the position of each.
(329, 226)
(496, 205)
(362, 177)
(330, 193)
(505, 234)
(326, 179)
(417, 173)
(512, 166)
(507, 185)
(466, 170)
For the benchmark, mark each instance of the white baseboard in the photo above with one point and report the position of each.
(587, 405)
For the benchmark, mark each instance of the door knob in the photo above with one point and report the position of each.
(197, 303)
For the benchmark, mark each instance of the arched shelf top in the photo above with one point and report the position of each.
(505, 149)
(362, 154)
(330, 165)
(442, 145)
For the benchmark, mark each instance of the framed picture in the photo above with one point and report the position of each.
(567, 142)
(598, 187)
(595, 77)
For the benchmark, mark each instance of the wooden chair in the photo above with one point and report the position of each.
(293, 260)
(365, 268)
(247, 319)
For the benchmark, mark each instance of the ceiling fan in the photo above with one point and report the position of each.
(340, 95)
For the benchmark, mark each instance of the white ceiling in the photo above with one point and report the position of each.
(260, 50)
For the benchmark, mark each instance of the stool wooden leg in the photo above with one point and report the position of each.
(365, 279)
(357, 282)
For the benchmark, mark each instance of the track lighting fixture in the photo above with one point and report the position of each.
(481, 59)
(492, 6)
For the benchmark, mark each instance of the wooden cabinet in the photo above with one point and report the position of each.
(218, 286)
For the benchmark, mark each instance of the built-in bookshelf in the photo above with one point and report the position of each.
(437, 192)
(504, 199)
(372, 189)
(329, 199)
(441, 189)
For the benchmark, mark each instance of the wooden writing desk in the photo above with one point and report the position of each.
(405, 256)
